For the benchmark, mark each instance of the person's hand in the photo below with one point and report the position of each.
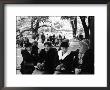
(34, 55)
(42, 64)
(77, 70)
(80, 61)
(39, 66)
(60, 67)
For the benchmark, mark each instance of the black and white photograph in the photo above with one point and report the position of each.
(55, 45)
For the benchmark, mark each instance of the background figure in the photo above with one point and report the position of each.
(27, 65)
(18, 42)
(50, 38)
(43, 37)
(48, 58)
(87, 66)
(53, 39)
(60, 39)
(80, 37)
(21, 42)
(26, 41)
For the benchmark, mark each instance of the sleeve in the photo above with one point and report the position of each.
(76, 59)
(41, 56)
(56, 58)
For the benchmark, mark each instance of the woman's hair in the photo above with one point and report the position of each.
(64, 44)
(48, 43)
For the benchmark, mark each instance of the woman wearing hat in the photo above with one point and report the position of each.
(27, 65)
(68, 60)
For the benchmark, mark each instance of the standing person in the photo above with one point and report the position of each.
(47, 37)
(60, 38)
(48, 58)
(37, 36)
(26, 41)
(17, 42)
(68, 60)
(64, 38)
(50, 38)
(43, 37)
(21, 42)
(27, 65)
(53, 39)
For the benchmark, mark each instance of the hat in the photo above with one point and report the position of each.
(28, 45)
(66, 40)
(64, 44)
(48, 43)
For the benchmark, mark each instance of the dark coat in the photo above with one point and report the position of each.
(43, 37)
(27, 65)
(70, 62)
(50, 59)
(34, 53)
(88, 62)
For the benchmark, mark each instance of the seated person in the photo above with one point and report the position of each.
(68, 60)
(27, 65)
(47, 59)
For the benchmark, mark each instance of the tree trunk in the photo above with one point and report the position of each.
(86, 29)
(32, 21)
(74, 26)
(36, 28)
(91, 26)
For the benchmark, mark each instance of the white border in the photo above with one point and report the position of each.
(100, 77)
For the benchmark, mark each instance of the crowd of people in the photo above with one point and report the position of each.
(55, 40)
(50, 60)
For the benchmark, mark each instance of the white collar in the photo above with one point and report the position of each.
(61, 57)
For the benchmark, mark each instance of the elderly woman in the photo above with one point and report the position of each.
(68, 60)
